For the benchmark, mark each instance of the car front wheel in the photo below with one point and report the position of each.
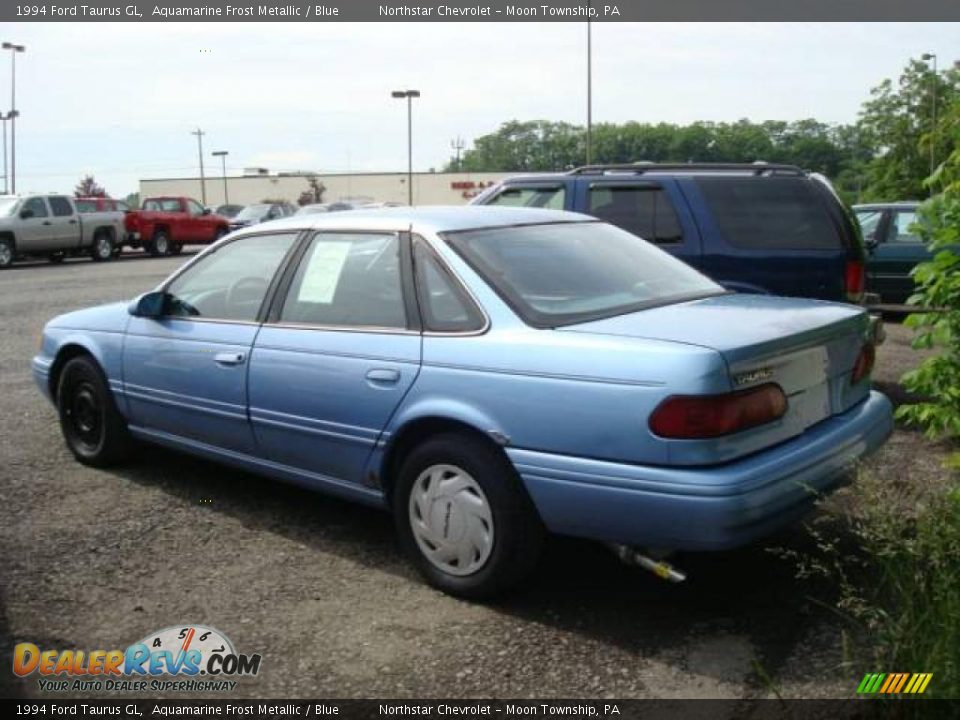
(92, 426)
(465, 518)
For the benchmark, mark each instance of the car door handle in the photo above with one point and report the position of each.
(228, 358)
(383, 376)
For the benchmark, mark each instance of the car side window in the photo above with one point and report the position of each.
(231, 282)
(444, 305)
(348, 280)
(643, 211)
(900, 230)
(37, 207)
(60, 206)
(869, 221)
(552, 197)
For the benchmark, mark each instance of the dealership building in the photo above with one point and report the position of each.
(258, 184)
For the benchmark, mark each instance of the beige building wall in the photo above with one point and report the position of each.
(428, 188)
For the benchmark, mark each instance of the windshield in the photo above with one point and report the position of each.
(252, 212)
(8, 205)
(564, 273)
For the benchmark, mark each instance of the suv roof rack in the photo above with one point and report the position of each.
(639, 168)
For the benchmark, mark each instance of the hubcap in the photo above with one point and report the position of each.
(104, 247)
(451, 520)
(161, 245)
(86, 416)
(5, 254)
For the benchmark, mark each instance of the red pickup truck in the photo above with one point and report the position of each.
(163, 225)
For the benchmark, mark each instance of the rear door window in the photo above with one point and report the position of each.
(60, 206)
(770, 212)
(553, 197)
(900, 228)
(645, 211)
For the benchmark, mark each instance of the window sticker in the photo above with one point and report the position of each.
(323, 271)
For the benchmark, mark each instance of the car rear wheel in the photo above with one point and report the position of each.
(92, 426)
(160, 245)
(102, 249)
(6, 253)
(465, 518)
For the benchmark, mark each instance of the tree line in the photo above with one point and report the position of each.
(885, 155)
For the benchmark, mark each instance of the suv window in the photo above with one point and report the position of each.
(444, 305)
(86, 206)
(770, 212)
(553, 197)
(37, 206)
(348, 279)
(231, 282)
(60, 206)
(644, 211)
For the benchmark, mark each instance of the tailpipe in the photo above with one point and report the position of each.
(662, 569)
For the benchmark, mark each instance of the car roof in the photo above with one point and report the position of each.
(427, 218)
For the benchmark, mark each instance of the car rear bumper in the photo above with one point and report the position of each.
(702, 508)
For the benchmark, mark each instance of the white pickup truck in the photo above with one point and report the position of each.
(50, 226)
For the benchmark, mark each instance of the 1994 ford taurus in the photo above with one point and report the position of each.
(488, 374)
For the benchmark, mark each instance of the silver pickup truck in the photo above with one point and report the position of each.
(50, 226)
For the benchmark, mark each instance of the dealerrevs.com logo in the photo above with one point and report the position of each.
(186, 658)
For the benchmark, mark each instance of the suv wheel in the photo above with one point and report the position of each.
(160, 245)
(6, 253)
(92, 426)
(465, 518)
(102, 249)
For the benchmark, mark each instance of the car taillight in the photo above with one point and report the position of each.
(855, 280)
(864, 364)
(707, 416)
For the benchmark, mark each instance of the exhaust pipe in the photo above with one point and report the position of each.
(662, 569)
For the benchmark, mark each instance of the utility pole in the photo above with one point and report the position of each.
(409, 95)
(589, 87)
(457, 145)
(203, 181)
(13, 115)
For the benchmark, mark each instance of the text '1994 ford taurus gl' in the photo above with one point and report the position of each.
(486, 374)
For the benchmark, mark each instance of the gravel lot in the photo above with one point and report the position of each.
(93, 559)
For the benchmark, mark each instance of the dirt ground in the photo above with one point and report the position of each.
(94, 559)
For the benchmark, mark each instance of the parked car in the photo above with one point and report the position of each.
(759, 228)
(163, 225)
(50, 226)
(258, 213)
(100, 204)
(487, 374)
(893, 248)
(228, 211)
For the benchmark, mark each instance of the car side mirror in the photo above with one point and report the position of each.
(26, 214)
(149, 305)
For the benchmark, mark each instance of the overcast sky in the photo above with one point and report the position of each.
(119, 100)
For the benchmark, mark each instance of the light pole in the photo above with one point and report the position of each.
(933, 122)
(203, 181)
(6, 178)
(14, 49)
(222, 154)
(589, 88)
(409, 95)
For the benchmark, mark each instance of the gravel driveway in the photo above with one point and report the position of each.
(99, 559)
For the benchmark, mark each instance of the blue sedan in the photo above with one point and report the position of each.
(488, 375)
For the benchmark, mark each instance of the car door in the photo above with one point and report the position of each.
(340, 349)
(185, 373)
(897, 249)
(35, 227)
(66, 228)
(199, 227)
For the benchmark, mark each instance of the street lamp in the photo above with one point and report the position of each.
(6, 178)
(222, 154)
(933, 122)
(409, 95)
(14, 49)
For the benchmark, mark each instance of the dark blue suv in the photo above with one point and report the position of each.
(759, 228)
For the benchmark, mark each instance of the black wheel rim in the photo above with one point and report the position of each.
(84, 413)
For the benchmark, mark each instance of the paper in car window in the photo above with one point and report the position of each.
(323, 271)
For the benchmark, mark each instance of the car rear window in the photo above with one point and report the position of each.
(770, 212)
(564, 273)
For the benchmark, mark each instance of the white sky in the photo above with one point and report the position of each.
(119, 100)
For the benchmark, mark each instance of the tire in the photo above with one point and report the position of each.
(102, 249)
(92, 427)
(160, 244)
(7, 253)
(56, 258)
(490, 504)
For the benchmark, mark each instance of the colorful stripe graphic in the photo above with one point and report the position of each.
(894, 683)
